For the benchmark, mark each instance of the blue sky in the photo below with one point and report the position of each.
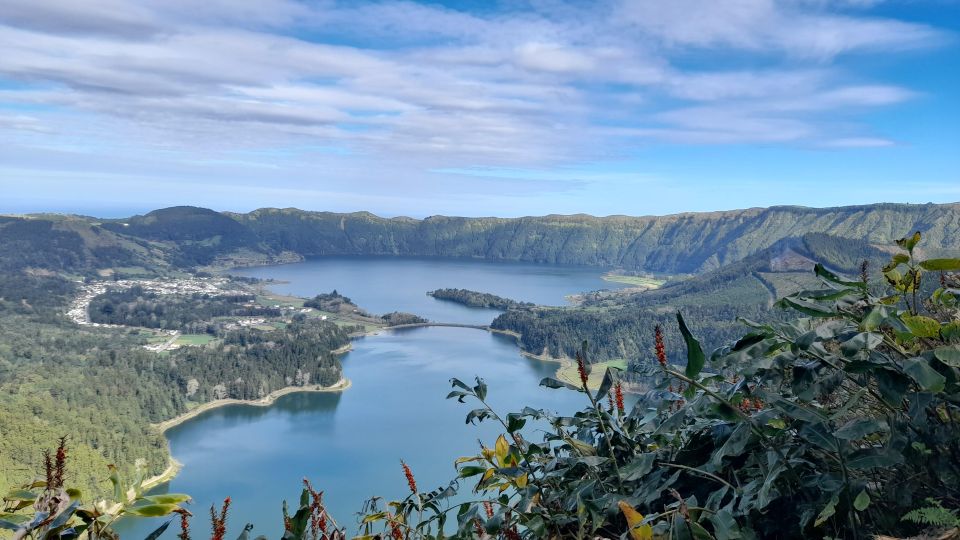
(110, 107)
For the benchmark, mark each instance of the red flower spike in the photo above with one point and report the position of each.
(478, 527)
(660, 347)
(618, 396)
(395, 531)
(411, 482)
(582, 370)
(184, 525)
(60, 463)
(488, 509)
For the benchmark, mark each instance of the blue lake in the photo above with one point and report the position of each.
(350, 444)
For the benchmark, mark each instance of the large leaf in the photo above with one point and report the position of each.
(20, 495)
(606, 384)
(859, 428)
(896, 260)
(921, 326)
(828, 511)
(909, 242)
(892, 385)
(695, 356)
(638, 467)
(943, 265)
(638, 530)
(805, 307)
(151, 510)
(925, 376)
(168, 498)
(862, 501)
(830, 276)
(819, 435)
(873, 458)
(158, 531)
(550, 382)
(948, 355)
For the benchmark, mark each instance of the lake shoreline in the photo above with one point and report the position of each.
(174, 466)
(266, 401)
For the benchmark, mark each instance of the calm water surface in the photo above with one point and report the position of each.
(350, 444)
(384, 284)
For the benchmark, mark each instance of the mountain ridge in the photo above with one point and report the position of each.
(684, 243)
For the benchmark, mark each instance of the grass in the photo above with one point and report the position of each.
(270, 299)
(635, 281)
(195, 340)
(567, 372)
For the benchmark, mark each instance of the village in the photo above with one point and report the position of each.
(167, 340)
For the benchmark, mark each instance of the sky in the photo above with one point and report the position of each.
(525, 107)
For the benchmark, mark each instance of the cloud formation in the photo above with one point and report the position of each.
(355, 86)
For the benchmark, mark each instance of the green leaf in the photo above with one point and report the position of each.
(550, 382)
(922, 326)
(480, 389)
(20, 495)
(925, 376)
(608, 378)
(10, 525)
(151, 510)
(950, 330)
(874, 318)
(862, 501)
(168, 498)
(725, 526)
(830, 276)
(892, 386)
(695, 356)
(805, 307)
(908, 243)
(795, 410)
(471, 470)
(819, 435)
(515, 422)
(859, 428)
(638, 467)
(948, 355)
(872, 458)
(158, 531)
(943, 265)
(699, 532)
(829, 510)
(896, 260)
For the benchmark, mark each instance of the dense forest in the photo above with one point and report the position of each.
(107, 369)
(249, 364)
(477, 299)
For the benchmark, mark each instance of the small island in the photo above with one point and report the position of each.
(478, 299)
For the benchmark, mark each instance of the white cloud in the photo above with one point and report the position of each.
(416, 87)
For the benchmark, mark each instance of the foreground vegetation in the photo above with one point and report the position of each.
(841, 421)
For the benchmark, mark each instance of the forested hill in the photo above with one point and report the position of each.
(682, 243)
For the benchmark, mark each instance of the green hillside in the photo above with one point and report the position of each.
(682, 243)
(188, 237)
(620, 326)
